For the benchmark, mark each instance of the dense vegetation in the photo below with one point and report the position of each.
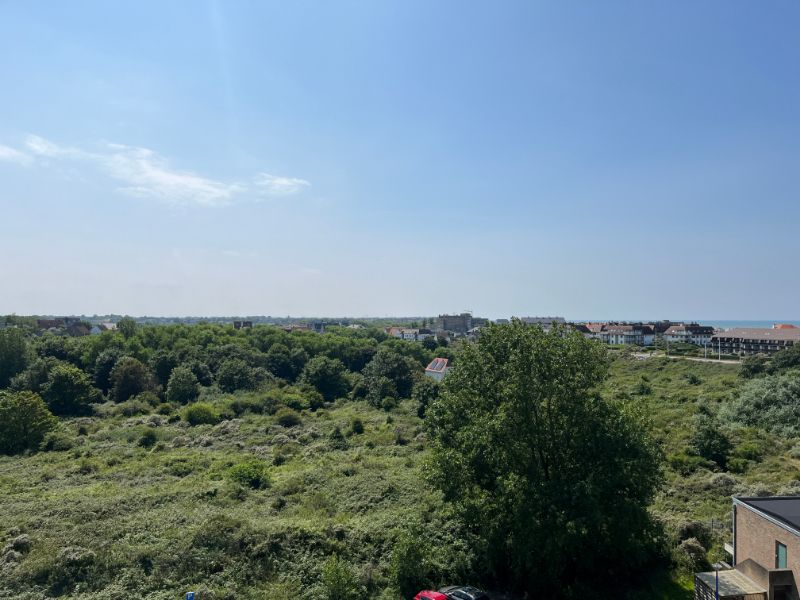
(259, 464)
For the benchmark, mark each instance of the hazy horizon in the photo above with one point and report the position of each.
(312, 158)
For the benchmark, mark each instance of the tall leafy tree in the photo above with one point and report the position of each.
(13, 354)
(328, 375)
(128, 378)
(127, 327)
(103, 366)
(69, 391)
(553, 480)
(24, 421)
(401, 370)
(182, 386)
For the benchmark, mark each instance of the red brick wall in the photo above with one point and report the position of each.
(756, 537)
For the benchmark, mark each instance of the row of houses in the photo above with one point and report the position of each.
(73, 326)
(410, 333)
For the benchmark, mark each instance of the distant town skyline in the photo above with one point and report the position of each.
(613, 159)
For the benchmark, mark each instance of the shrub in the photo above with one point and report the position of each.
(684, 463)
(24, 421)
(336, 439)
(771, 402)
(133, 407)
(182, 387)
(200, 414)
(339, 582)
(148, 439)
(253, 474)
(356, 426)
(286, 417)
(57, 440)
(710, 442)
(690, 556)
(69, 391)
(406, 568)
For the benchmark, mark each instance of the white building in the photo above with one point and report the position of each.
(437, 369)
(699, 335)
(627, 335)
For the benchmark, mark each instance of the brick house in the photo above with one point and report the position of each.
(765, 551)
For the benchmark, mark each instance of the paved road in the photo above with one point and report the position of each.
(724, 361)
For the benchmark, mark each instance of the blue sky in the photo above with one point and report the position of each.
(593, 160)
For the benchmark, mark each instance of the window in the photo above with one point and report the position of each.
(780, 556)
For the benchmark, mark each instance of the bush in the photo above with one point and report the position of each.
(772, 403)
(133, 407)
(24, 421)
(148, 439)
(710, 442)
(182, 387)
(200, 414)
(286, 417)
(690, 557)
(686, 464)
(235, 374)
(69, 391)
(253, 474)
(356, 426)
(57, 440)
(336, 439)
(339, 582)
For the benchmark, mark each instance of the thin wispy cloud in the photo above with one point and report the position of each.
(280, 186)
(14, 156)
(143, 173)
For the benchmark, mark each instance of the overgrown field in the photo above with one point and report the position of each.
(303, 448)
(123, 511)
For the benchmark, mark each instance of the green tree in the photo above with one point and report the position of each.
(235, 374)
(328, 376)
(425, 391)
(69, 391)
(553, 480)
(24, 421)
(128, 378)
(339, 582)
(13, 354)
(709, 441)
(785, 359)
(127, 327)
(103, 365)
(407, 566)
(161, 364)
(400, 369)
(182, 386)
(753, 365)
(279, 362)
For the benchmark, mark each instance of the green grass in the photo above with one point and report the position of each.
(110, 517)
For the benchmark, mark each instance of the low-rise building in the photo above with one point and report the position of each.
(699, 335)
(409, 333)
(765, 553)
(437, 369)
(627, 334)
(752, 340)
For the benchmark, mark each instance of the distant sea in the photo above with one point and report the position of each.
(732, 324)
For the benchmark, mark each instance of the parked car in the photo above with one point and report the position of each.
(463, 592)
(430, 595)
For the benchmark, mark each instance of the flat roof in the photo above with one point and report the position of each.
(783, 508)
(731, 583)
